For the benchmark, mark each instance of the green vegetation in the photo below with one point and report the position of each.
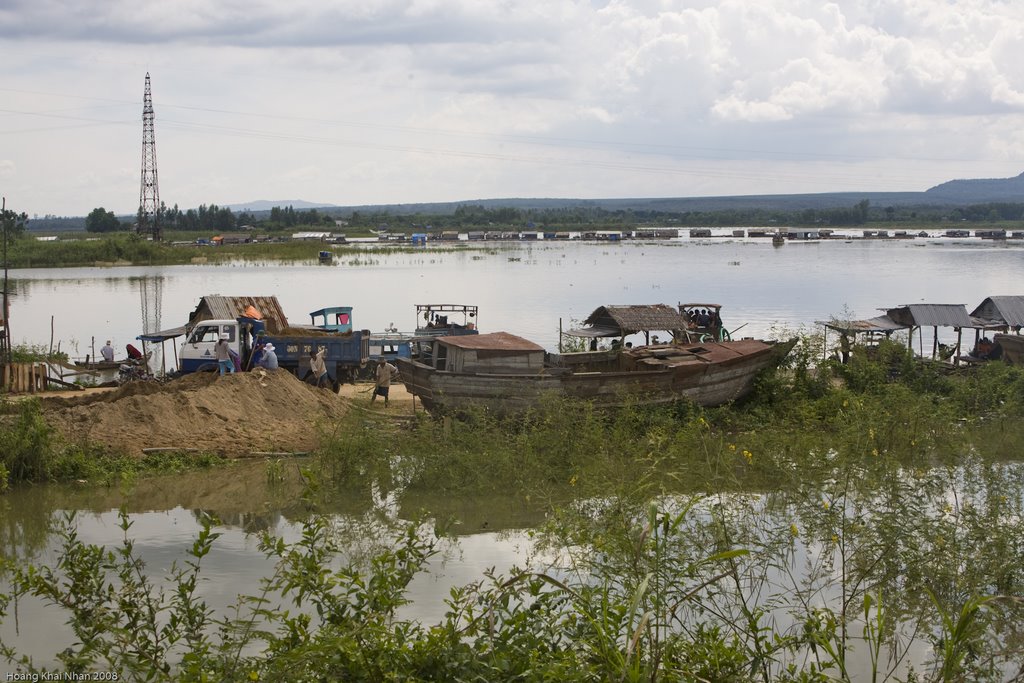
(826, 530)
(31, 353)
(181, 229)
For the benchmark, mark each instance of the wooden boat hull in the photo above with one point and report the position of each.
(1013, 347)
(718, 373)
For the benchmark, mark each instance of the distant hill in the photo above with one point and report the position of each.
(266, 205)
(980, 191)
(951, 194)
(787, 202)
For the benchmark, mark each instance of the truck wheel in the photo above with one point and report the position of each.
(336, 385)
(207, 367)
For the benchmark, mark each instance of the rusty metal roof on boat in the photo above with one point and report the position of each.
(1008, 310)
(492, 341)
(631, 319)
(931, 315)
(217, 307)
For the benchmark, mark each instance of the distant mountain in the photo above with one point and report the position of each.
(949, 194)
(266, 205)
(979, 191)
(781, 202)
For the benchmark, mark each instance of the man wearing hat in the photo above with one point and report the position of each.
(223, 349)
(268, 361)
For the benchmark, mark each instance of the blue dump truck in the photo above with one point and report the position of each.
(348, 350)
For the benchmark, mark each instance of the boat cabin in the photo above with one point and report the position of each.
(703, 322)
(492, 353)
(445, 319)
(334, 318)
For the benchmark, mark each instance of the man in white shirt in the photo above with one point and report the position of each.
(107, 352)
(385, 373)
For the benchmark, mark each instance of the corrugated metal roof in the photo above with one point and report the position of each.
(217, 307)
(931, 315)
(1005, 309)
(162, 335)
(630, 319)
(882, 323)
(493, 341)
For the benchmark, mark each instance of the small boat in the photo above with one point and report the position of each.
(1013, 347)
(99, 365)
(778, 239)
(505, 373)
(326, 257)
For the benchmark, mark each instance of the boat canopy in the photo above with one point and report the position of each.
(620, 321)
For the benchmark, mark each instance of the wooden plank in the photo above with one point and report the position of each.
(60, 382)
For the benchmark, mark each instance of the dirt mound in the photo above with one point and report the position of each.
(234, 415)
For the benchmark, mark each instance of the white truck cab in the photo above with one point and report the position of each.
(198, 353)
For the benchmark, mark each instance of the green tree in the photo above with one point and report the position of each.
(101, 220)
(13, 223)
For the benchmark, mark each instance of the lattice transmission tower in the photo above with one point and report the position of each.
(149, 193)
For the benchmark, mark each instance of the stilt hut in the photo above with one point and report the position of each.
(1005, 316)
(872, 329)
(918, 316)
(1005, 311)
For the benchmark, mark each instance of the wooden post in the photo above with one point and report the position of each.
(956, 354)
(935, 343)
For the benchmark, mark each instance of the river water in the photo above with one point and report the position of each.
(525, 288)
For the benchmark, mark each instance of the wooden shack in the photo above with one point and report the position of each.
(918, 316)
(1008, 311)
(217, 307)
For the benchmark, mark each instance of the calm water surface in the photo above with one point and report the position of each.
(761, 286)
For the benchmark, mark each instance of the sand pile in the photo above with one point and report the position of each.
(233, 415)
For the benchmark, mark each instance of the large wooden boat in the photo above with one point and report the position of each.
(1013, 347)
(505, 373)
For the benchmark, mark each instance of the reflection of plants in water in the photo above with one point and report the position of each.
(822, 531)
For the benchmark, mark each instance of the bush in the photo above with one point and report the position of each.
(25, 444)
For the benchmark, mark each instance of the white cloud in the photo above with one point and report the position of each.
(405, 100)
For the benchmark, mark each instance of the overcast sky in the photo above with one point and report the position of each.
(392, 101)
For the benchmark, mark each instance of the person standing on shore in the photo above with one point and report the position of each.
(384, 376)
(223, 349)
(317, 366)
(107, 352)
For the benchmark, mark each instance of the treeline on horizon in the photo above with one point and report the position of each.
(217, 219)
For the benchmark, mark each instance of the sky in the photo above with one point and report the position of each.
(354, 102)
